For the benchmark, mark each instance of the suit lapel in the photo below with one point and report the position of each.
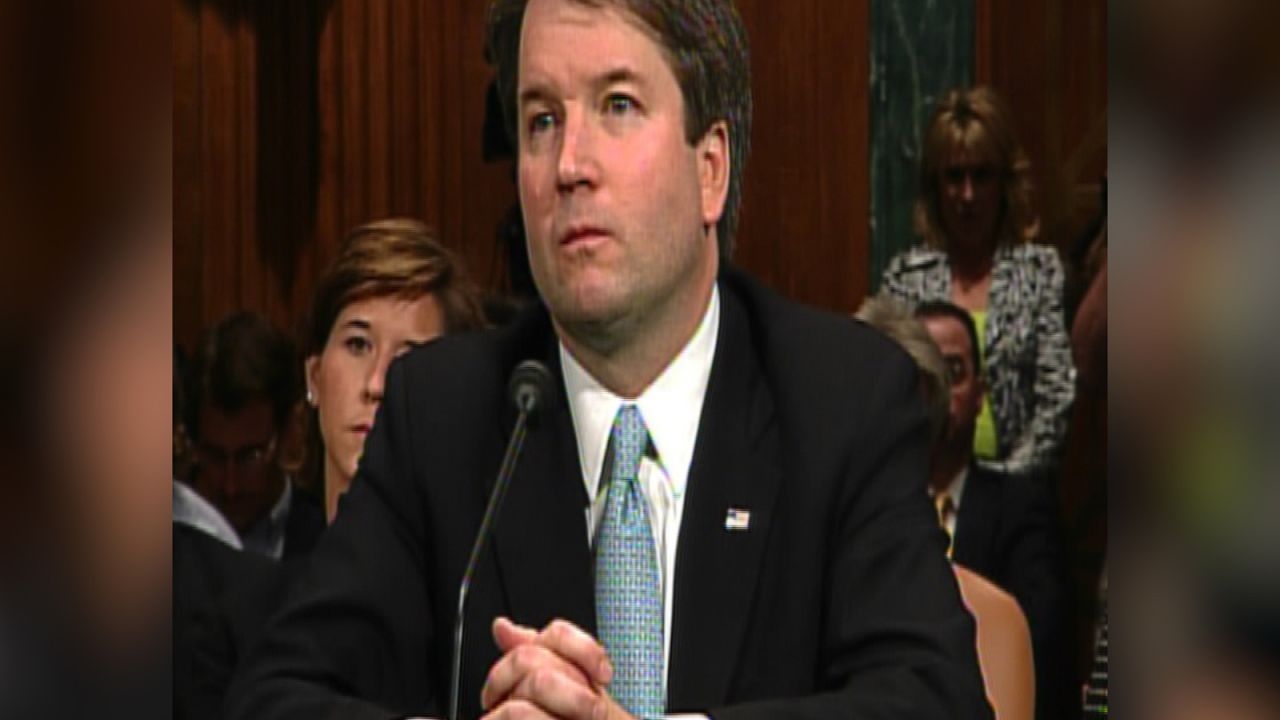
(976, 522)
(734, 470)
(541, 537)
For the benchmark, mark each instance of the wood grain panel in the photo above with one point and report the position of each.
(188, 292)
(405, 109)
(379, 72)
(804, 226)
(296, 121)
(1049, 59)
(487, 189)
(219, 166)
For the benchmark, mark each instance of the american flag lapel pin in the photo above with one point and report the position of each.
(737, 519)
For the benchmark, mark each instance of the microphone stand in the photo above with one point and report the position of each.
(490, 514)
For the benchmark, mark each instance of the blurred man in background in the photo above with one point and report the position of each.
(244, 393)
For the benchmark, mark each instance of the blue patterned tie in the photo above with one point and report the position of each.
(628, 588)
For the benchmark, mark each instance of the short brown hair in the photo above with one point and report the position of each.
(397, 257)
(893, 317)
(976, 119)
(244, 359)
(706, 46)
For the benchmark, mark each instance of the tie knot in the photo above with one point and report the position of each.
(630, 436)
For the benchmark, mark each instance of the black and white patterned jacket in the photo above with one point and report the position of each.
(1029, 372)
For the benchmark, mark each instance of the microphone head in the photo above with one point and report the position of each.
(530, 387)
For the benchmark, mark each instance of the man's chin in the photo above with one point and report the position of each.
(589, 304)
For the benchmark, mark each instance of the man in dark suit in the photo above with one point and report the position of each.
(205, 572)
(722, 511)
(245, 387)
(1005, 528)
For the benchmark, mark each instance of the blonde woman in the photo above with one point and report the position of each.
(977, 226)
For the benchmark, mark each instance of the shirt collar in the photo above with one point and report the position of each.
(189, 508)
(268, 534)
(956, 488)
(280, 511)
(671, 406)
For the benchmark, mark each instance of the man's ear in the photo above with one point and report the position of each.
(980, 391)
(713, 171)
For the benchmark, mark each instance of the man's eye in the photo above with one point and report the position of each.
(619, 104)
(541, 122)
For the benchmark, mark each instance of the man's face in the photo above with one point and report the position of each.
(970, 201)
(616, 202)
(236, 456)
(953, 341)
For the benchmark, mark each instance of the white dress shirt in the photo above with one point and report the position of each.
(672, 408)
(955, 490)
(189, 508)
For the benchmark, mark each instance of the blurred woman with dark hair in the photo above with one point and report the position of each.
(975, 219)
(393, 286)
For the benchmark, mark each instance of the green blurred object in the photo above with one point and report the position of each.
(919, 50)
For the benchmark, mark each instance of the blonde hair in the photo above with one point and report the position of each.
(976, 120)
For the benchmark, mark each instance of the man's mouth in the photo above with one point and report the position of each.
(581, 234)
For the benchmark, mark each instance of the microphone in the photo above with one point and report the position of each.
(530, 389)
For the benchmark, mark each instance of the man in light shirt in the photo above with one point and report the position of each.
(722, 513)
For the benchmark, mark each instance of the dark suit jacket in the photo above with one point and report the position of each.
(204, 571)
(221, 634)
(836, 602)
(1008, 530)
(303, 526)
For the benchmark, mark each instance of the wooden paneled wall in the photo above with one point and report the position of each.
(295, 120)
(805, 213)
(1049, 58)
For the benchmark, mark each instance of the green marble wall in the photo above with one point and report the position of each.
(919, 50)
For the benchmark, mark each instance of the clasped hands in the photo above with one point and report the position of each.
(557, 672)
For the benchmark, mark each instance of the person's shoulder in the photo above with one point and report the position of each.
(818, 352)
(1035, 255)
(468, 361)
(194, 548)
(915, 259)
(205, 567)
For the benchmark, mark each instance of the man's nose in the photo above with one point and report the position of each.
(232, 483)
(966, 188)
(576, 165)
